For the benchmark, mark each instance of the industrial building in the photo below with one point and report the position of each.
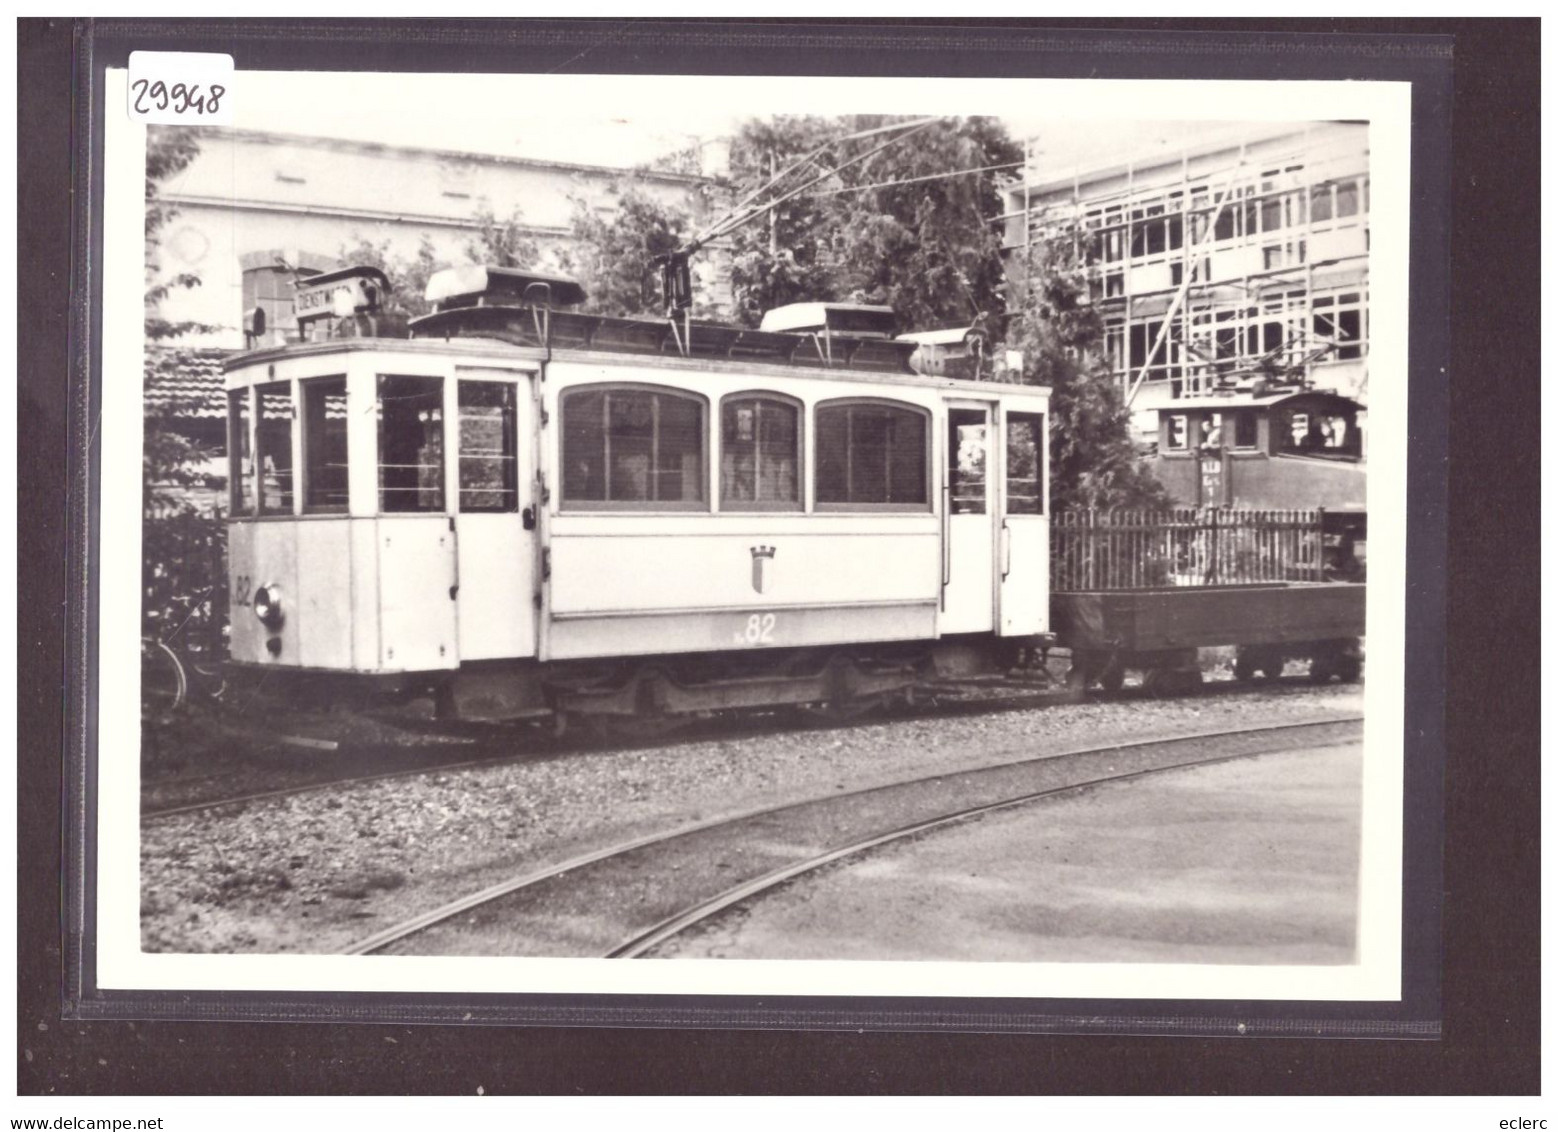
(1238, 261)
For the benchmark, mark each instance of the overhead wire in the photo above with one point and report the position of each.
(913, 180)
(735, 221)
(806, 159)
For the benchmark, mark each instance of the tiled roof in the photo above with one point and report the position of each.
(186, 381)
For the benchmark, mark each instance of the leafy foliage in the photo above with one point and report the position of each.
(502, 243)
(169, 151)
(408, 277)
(886, 227)
(1093, 461)
(183, 545)
(613, 253)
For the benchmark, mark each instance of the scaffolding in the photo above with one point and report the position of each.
(1237, 262)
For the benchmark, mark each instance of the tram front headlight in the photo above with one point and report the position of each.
(267, 605)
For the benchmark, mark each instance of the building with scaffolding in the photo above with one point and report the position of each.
(1240, 261)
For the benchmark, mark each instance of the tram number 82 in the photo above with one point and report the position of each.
(759, 630)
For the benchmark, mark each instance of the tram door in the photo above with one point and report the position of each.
(495, 518)
(968, 523)
(1023, 544)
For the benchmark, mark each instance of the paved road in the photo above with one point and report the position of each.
(1254, 861)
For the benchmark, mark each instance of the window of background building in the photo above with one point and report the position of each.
(871, 455)
(1338, 318)
(411, 443)
(489, 464)
(240, 454)
(273, 447)
(324, 444)
(760, 454)
(1024, 463)
(633, 447)
(271, 289)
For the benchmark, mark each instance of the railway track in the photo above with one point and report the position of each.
(495, 745)
(626, 899)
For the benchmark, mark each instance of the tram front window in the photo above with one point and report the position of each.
(240, 454)
(273, 447)
(324, 445)
(411, 443)
(1333, 435)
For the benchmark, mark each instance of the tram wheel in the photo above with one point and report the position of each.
(1112, 678)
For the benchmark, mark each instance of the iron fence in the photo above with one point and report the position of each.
(1131, 550)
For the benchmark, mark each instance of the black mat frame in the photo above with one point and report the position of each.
(1181, 51)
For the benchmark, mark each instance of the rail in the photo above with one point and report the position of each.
(1092, 550)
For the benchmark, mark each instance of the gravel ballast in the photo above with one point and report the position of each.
(312, 873)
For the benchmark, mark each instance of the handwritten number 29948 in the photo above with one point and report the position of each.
(181, 96)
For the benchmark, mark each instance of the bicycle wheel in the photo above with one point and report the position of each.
(164, 685)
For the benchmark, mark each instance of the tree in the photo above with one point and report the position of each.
(612, 253)
(888, 227)
(1093, 461)
(502, 243)
(785, 254)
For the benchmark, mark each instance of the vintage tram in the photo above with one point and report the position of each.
(527, 512)
(1272, 448)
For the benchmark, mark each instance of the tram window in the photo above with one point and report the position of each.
(1322, 434)
(760, 454)
(411, 443)
(625, 447)
(871, 455)
(324, 444)
(1243, 428)
(240, 454)
(1024, 464)
(1177, 427)
(273, 447)
(489, 465)
(966, 439)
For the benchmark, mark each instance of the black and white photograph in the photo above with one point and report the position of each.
(855, 537)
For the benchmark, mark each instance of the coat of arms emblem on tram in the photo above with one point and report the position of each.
(760, 555)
